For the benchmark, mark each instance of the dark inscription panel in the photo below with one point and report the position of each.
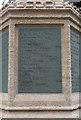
(75, 61)
(80, 63)
(5, 36)
(40, 60)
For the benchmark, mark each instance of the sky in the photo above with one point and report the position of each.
(1, 3)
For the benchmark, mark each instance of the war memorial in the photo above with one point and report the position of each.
(40, 59)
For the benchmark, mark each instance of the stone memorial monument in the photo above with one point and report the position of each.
(40, 61)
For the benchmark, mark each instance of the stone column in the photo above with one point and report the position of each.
(66, 61)
(11, 62)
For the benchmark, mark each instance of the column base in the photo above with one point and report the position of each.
(40, 114)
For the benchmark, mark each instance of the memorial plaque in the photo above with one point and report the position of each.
(5, 36)
(80, 63)
(75, 61)
(40, 59)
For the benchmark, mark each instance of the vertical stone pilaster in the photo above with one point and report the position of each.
(16, 52)
(66, 62)
(11, 63)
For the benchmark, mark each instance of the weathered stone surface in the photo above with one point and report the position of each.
(65, 104)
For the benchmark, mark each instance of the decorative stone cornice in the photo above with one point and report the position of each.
(38, 4)
(40, 9)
